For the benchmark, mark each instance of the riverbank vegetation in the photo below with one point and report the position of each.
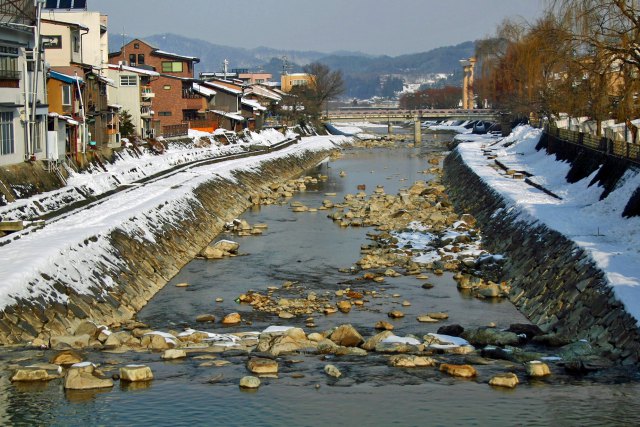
(581, 58)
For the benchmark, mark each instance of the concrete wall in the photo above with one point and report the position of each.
(554, 282)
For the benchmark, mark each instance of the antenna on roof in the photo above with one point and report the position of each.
(225, 65)
(285, 65)
(123, 43)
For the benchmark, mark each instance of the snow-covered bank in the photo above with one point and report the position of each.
(130, 166)
(573, 256)
(82, 253)
(595, 225)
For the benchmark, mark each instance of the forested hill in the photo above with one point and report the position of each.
(362, 72)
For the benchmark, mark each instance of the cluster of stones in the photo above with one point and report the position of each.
(279, 193)
(425, 203)
(243, 229)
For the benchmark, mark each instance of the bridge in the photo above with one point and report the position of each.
(416, 116)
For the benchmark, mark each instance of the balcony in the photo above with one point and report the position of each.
(147, 93)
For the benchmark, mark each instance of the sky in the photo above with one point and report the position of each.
(389, 27)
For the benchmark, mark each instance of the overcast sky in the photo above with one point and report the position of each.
(391, 27)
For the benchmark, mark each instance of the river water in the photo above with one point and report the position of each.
(309, 248)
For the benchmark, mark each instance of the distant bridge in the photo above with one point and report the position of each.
(394, 115)
(415, 116)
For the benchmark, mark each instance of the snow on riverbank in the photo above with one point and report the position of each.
(68, 250)
(595, 225)
(131, 166)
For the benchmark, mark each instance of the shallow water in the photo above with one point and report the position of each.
(309, 248)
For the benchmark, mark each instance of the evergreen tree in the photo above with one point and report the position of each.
(127, 129)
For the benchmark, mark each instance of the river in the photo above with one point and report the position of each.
(309, 248)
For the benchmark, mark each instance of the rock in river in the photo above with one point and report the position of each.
(262, 366)
(250, 382)
(81, 376)
(347, 336)
(332, 371)
(136, 373)
(509, 380)
(536, 368)
(464, 371)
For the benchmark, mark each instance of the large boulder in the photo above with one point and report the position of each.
(232, 319)
(490, 336)
(332, 371)
(463, 371)
(281, 341)
(411, 361)
(173, 354)
(87, 327)
(63, 342)
(250, 382)
(158, 341)
(226, 246)
(508, 380)
(66, 358)
(81, 376)
(135, 373)
(347, 336)
(32, 374)
(262, 366)
(371, 343)
(536, 369)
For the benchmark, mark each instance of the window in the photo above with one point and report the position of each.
(189, 115)
(136, 45)
(172, 67)
(128, 80)
(75, 42)
(164, 113)
(9, 68)
(141, 59)
(6, 133)
(66, 95)
(166, 87)
(132, 59)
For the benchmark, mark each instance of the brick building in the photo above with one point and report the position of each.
(175, 102)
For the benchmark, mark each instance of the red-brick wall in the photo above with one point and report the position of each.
(166, 100)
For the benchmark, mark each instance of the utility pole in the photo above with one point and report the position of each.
(36, 71)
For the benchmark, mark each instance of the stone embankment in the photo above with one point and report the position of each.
(554, 282)
(130, 269)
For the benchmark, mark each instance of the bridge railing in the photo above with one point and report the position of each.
(410, 113)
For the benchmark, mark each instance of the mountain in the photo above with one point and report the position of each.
(363, 73)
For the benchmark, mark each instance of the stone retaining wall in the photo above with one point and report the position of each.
(556, 284)
(133, 269)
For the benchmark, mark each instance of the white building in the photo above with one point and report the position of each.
(133, 93)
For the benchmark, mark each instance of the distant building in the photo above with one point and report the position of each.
(289, 81)
(175, 102)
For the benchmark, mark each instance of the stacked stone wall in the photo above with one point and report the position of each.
(556, 284)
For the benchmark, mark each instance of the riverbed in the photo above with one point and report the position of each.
(309, 249)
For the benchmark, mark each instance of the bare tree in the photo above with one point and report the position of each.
(325, 85)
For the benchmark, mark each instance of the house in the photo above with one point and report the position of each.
(268, 98)
(289, 81)
(134, 94)
(79, 49)
(65, 116)
(227, 111)
(22, 118)
(176, 102)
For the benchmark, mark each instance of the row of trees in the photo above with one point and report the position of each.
(581, 58)
(446, 97)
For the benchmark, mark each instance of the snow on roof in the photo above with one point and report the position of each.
(232, 116)
(264, 92)
(223, 88)
(106, 80)
(597, 226)
(133, 70)
(202, 90)
(254, 104)
(175, 55)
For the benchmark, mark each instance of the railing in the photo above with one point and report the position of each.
(617, 148)
(189, 94)
(169, 131)
(394, 113)
(10, 75)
